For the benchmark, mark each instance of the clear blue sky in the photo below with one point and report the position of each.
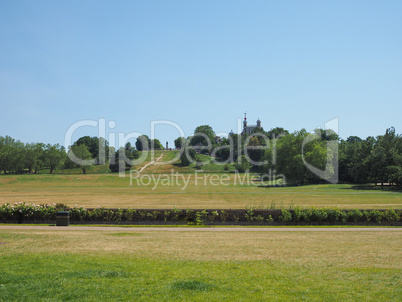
(293, 64)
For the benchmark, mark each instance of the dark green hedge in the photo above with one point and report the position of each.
(31, 213)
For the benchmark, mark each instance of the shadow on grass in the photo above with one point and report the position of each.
(192, 285)
(387, 188)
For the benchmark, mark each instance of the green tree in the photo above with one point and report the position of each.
(203, 138)
(156, 144)
(293, 152)
(83, 158)
(188, 156)
(143, 142)
(244, 164)
(256, 149)
(289, 160)
(384, 158)
(128, 146)
(121, 160)
(135, 153)
(360, 170)
(229, 150)
(8, 154)
(54, 156)
(34, 157)
(277, 132)
(17, 157)
(179, 142)
(98, 147)
(347, 149)
(3, 153)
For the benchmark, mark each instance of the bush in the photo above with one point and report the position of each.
(286, 217)
(22, 211)
(243, 166)
(376, 216)
(224, 216)
(270, 220)
(297, 214)
(200, 217)
(392, 217)
(334, 215)
(355, 215)
(249, 215)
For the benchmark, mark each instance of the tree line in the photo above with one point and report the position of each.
(17, 157)
(293, 155)
(297, 155)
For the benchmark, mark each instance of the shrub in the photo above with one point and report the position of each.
(270, 220)
(259, 218)
(366, 216)
(320, 215)
(391, 216)
(118, 215)
(79, 213)
(344, 216)
(213, 216)
(21, 211)
(200, 217)
(130, 214)
(41, 213)
(355, 215)
(166, 215)
(286, 217)
(223, 216)
(376, 216)
(306, 215)
(249, 215)
(190, 217)
(334, 215)
(153, 216)
(297, 214)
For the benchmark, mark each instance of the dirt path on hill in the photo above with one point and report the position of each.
(148, 164)
(198, 229)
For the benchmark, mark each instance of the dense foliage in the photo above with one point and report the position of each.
(297, 157)
(300, 156)
(17, 157)
(24, 212)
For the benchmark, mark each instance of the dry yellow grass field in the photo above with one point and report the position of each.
(112, 191)
(381, 249)
(164, 184)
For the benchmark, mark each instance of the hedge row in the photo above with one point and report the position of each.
(31, 213)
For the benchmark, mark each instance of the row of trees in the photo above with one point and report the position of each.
(302, 157)
(17, 157)
(376, 160)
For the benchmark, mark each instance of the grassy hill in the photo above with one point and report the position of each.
(170, 161)
(166, 184)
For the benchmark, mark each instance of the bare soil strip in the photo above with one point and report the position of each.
(201, 229)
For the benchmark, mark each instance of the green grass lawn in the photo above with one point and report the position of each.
(158, 186)
(186, 190)
(40, 265)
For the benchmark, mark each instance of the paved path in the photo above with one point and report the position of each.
(196, 229)
(150, 163)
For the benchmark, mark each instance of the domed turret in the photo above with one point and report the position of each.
(258, 123)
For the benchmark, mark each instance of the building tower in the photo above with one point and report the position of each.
(248, 129)
(245, 122)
